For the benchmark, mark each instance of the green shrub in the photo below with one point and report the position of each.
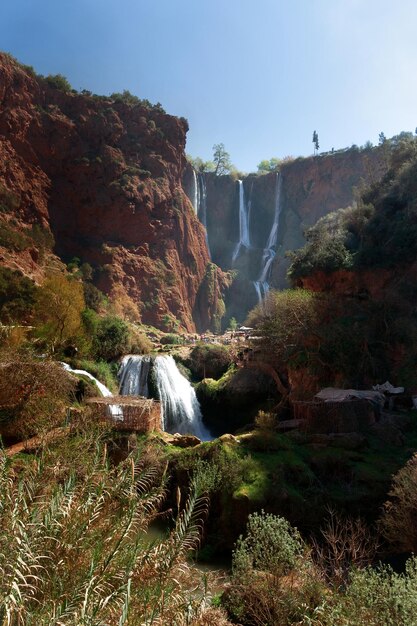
(208, 361)
(112, 338)
(172, 339)
(58, 81)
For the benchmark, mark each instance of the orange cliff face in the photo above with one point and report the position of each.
(105, 178)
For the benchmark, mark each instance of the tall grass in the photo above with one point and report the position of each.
(73, 545)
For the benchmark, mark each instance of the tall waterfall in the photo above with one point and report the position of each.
(195, 192)
(180, 409)
(244, 239)
(202, 204)
(261, 285)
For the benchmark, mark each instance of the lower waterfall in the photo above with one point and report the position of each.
(115, 410)
(180, 409)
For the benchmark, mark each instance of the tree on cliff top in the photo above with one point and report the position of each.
(221, 159)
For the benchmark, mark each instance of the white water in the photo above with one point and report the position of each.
(180, 409)
(133, 375)
(244, 238)
(115, 410)
(202, 204)
(262, 285)
(196, 193)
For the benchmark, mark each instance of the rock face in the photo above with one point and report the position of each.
(104, 178)
(310, 188)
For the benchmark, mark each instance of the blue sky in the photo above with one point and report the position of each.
(257, 75)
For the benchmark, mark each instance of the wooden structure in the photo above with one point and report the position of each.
(132, 413)
(347, 416)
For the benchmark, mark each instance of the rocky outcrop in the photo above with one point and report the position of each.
(104, 178)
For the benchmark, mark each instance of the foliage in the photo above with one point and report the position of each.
(208, 361)
(201, 166)
(397, 522)
(172, 339)
(58, 81)
(111, 339)
(380, 230)
(138, 341)
(233, 324)
(270, 545)
(269, 165)
(343, 341)
(74, 550)
(58, 308)
(33, 395)
(130, 99)
(221, 160)
(103, 371)
(17, 296)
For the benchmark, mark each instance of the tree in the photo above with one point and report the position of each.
(58, 308)
(269, 165)
(381, 139)
(201, 166)
(316, 142)
(233, 324)
(221, 159)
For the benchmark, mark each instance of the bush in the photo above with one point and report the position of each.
(398, 520)
(271, 545)
(112, 338)
(17, 296)
(208, 361)
(172, 339)
(58, 81)
(33, 395)
(139, 343)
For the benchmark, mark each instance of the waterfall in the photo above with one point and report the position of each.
(180, 409)
(202, 204)
(244, 239)
(133, 375)
(115, 410)
(196, 193)
(261, 285)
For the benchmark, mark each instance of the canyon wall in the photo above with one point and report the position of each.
(100, 179)
(309, 188)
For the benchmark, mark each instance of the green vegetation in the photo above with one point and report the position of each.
(58, 81)
(221, 160)
(378, 231)
(208, 361)
(278, 580)
(74, 545)
(326, 334)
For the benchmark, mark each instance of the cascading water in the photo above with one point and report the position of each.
(115, 410)
(196, 193)
(202, 204)
(261, 285)
(244, 238)
(180, 409)
(133, 375)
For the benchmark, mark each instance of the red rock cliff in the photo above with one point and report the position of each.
(105, 178)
